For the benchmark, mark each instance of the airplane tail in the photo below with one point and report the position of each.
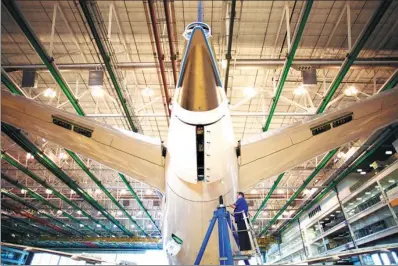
(199, 86)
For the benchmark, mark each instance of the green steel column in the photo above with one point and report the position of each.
(322, 164)
(138, 200)
(47, 60)
(44, 201)
(288, 63)
(99, 184)
(228, 55)
(28, 146)
(65, 199)
(352, 56)
(11, 84)
(107, 61)
(276, 183)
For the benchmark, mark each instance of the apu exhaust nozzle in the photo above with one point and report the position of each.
(199, 83)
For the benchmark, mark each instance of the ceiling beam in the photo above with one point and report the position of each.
(266, 63)
(288, 61)
(228, 55)
(107, 59)
(17, 136)
(353, 54)
(40, 50)
(12, 161)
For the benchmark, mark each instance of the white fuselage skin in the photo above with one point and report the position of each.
(188, 203)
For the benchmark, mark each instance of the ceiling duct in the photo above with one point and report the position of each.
(29, 78)
(309, 77)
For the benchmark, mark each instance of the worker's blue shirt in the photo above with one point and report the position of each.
(240, 205)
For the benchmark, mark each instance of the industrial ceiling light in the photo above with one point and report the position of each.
(340, 155)
(391, 181)
(249, 92)
(72, 191)
(29, 156)
(49, 191)
(50, 93)
(265, 213)
(81, 225)
(97, 191)
(43, 139)
(388, 152)
(147, 92)
(300, 90)
(123, 191)
(148, 192)
(23, 191)
(98, 213)
(363, 173)
(149, 226)
(114, 226)
(97, 91)
(62, 156)
(59, 212)
(118, 213)
(98, 225)
(367, 193)
(139, 213)
(224, 63)
(351, 91)
(79, 212)
(253, 191)
(359, 170)
(132, 226)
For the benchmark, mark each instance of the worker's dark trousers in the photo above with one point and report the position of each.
(244, 240)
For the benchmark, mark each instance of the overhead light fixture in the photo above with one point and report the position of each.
(139, 213)
(59, 212)
(62, 156)
(391, 181)
(249, 92)
(72, 191)
(351, 91)
(253, 191)
(388, 152)
(265, 213)
(99, 226)
(49, 191)
(367, 193)
(123, 191)
(359, 198)
(98, 213)
(224, 63)
(119, 213)
(149, 226)
(79, 212)
(148, 192)
(255, 226)
(97, 191)
(23, 191)
(338, 211)
(300, 90)
(114, 226)
(340, 155)
(50, 93)
(147, 92)
(43, 139)
(363, 173)
(332, 215)
(359, 170)
(97, 91)
(29, 156)
(81, 225)
(132, 226)
(12, 235)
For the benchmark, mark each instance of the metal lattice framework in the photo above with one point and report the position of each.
(262, 47)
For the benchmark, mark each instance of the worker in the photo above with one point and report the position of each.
(239, 207)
